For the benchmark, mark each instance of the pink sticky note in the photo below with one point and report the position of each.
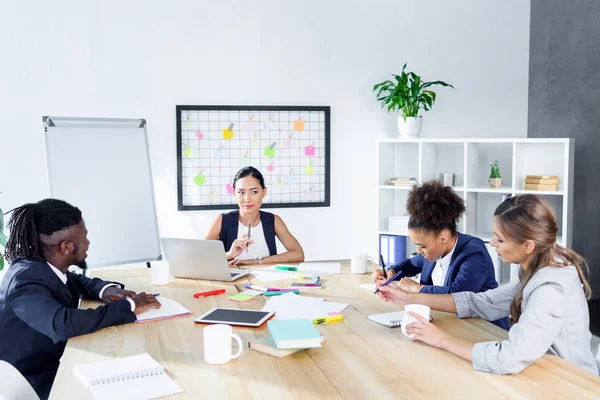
(309, 151)
(199, 135)
(229, 188)
(270, 168)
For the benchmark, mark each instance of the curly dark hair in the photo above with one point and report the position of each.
(433, 207)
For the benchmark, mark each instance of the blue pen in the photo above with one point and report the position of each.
(389, 280)
(259, 288)
(269, 294)
(156, 294)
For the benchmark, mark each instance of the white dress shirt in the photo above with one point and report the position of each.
(63, 278)
(438, 275)
(259, 248)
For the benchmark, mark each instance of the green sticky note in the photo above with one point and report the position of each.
(269, 152)
(199, 179)
(240, 297)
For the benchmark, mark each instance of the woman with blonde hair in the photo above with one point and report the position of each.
(547, 304)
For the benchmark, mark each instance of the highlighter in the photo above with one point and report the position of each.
(325, 320)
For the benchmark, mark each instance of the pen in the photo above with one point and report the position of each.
(277, 289)
(397, 274)
(382, 266)
(238, 289)
(209, 293)
(268, 294)
(259, 288)
(156, 294)
(325, 320)
(286, 268)
(249, 226)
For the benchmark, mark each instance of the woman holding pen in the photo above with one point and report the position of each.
(448, 261)
(248, 234)
(547, 304)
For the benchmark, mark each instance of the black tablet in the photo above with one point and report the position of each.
(235, 316)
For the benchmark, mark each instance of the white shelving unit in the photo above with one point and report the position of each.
(424, 159)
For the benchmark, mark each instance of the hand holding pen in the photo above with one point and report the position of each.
(240, 245)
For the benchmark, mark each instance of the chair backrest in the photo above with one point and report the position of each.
(14, 385)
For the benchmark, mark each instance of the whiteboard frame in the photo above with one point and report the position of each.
(325, 109)
(50, 122)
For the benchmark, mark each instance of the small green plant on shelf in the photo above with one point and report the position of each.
(495, 177)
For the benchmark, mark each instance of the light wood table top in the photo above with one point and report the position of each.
(360, 359)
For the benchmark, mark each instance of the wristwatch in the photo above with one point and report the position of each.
(259, 259)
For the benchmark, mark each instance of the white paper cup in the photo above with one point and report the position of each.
(159, 272)
(420, 309)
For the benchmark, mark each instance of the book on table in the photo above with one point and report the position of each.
(294, 334)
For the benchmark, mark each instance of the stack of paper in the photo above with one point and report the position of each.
(169, 309)
(293, 306)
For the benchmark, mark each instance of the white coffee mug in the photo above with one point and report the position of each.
(217, 344)
(420, 309)
(358, 263)
(159, 272)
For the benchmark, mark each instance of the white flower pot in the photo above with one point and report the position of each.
(411, 127)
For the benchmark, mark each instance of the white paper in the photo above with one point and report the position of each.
(169, 308)
(368, 286)
(292, 306)
(321, 267)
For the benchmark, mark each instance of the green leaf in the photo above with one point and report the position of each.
(3, 240)
(1, 221)
(1, 261)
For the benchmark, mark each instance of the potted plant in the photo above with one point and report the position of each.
(495, 178)
(409, 94)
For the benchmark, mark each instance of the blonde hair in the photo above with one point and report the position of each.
(530, 217)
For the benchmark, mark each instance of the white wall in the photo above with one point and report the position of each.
(141, 58)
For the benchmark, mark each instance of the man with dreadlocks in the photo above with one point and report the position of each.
(39, 296)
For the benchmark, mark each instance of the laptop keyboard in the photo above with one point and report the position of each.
(234, 274)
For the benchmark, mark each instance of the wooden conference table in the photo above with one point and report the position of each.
(360, 359)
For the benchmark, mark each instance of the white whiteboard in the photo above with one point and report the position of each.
(102, 166)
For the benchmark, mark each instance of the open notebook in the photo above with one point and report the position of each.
(390, 319)
(133, 378)
(169, 309)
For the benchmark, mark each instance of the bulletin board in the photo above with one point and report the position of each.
(288, 145)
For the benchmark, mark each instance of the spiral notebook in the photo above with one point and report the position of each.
(133, 378)
(390, 319)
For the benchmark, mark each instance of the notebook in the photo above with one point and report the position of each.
(137, 377)
(169, 309)
(267, 346)
(320, 267)
(391, 319)
(294, 334)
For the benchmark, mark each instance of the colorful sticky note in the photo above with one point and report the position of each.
(270, 151)
(188, 123)
(308, 195)
(200, 179)
(249, 126)
(309, 151)
(227, 133)
(290, 179)
(298, 125)
(240, 297)
(309, 170)
(199, 135)
(271, 167)
(219, 153)
(212, 194)
(255, 141)
(229, 188)
(188, 152)
(279, 184)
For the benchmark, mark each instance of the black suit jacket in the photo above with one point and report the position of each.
(38, 314)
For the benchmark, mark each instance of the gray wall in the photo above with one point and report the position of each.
(564, 101)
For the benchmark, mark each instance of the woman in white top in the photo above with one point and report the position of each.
(547, 304)
(232, 228)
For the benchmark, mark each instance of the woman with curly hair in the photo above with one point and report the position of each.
(448, 261)
(547, 305)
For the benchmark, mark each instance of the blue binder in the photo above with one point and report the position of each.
(392, 248)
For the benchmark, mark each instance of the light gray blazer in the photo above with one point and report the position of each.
(554, 319)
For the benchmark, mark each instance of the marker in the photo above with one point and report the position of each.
(278, 289)
(268, 294)
(156, 294)
(325, 320)
(382, 266)
(209, 293)
(259, 288)
(286, 268)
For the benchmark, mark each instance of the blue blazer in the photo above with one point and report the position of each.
(471, 270)
(38, 314)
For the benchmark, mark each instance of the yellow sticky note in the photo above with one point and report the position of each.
(309, 170)
(227, 133)
(298, 125)
(188, 152)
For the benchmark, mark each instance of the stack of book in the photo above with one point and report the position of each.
(287, 337)
(402, 181)
(541, 182)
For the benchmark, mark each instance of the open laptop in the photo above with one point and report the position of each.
(199, 259)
